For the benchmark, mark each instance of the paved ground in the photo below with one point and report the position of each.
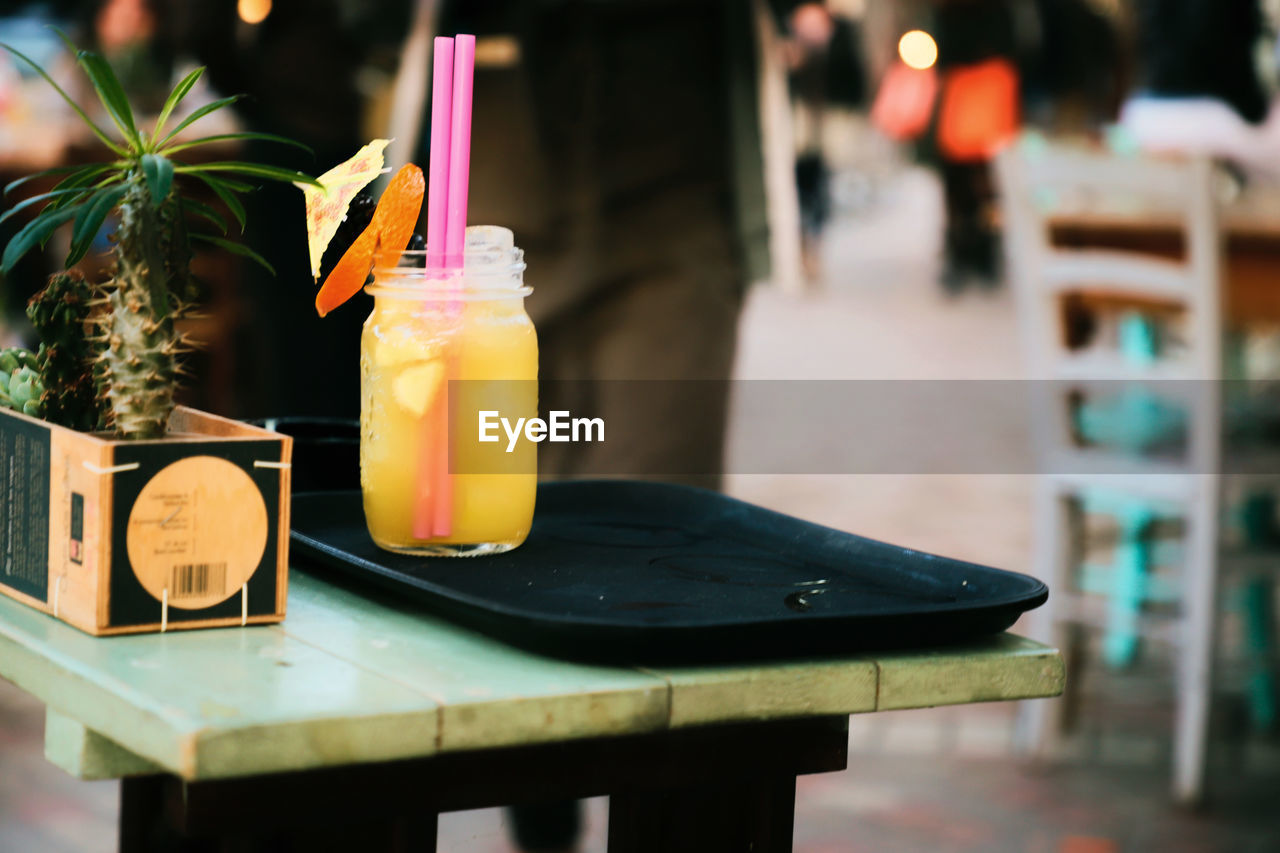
(940, 779)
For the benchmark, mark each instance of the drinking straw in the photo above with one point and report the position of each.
(442, 488)
(438, 169)
(425, 496)
(464, 62)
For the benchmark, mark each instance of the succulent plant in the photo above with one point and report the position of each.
(20, 387)
(63, 315)
(148, 187)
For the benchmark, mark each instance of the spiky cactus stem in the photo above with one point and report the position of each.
(139, 363)
(61, 314)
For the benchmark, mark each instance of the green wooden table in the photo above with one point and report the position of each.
(355, 722)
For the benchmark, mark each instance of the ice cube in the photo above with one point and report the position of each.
(415, 387)
(490, 236)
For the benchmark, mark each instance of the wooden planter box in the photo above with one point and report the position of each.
(123, 537)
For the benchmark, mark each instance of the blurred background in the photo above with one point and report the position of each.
(1064, 191)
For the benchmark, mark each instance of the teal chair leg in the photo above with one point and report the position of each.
(1129, 577)
(1132, 421)
(1259, 513)
(1259, 637)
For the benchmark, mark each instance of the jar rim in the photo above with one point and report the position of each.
(477, 260)
(484, 277)
(491, 266)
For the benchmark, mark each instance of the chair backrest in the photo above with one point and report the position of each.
(1041, 183)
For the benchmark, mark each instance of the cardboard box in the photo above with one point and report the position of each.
(123, 537)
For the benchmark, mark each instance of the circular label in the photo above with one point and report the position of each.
(198, 529)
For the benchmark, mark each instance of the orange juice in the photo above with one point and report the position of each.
(434, 337)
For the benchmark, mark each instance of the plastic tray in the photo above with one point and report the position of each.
(631, 572)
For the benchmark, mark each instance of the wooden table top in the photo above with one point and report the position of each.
(348, 679)
(1253, 215)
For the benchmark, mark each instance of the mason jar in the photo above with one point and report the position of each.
(440, 345)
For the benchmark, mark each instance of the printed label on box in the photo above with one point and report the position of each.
(24, 507)
(178, 538)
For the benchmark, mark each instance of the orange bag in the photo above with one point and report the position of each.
(979, 110)
(904, 103)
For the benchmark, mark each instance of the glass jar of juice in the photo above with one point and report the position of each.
(436, 336)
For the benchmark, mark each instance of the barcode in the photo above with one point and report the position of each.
(198, 579)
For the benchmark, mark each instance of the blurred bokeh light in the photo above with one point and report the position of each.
(253, 11)
(918, 49)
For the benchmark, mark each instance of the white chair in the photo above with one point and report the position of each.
(1036, 179)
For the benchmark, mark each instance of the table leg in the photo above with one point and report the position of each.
(145, 827)
(734, 817)
(141, 813)
(399, 835)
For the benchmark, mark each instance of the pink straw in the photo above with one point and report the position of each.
(438, 169)
(442, 506)
(427, 496)
(464, 63)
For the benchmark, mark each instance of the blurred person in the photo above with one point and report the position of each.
(971, 36)
(623, 149)
(1199, 87)
(1003, 63)
(811, 28)
(826, 70)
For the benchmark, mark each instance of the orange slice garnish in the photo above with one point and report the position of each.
(388, 233)
(397, 214)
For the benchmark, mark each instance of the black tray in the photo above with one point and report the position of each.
(643, 572)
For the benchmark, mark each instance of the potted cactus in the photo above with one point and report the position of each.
(141, 494)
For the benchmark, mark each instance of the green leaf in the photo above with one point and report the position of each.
(36, 199)
(46, 173)
(199, 208)
(175, 97)
(227, 137)
(33, 233)
(223, 192)
(236, 249)
(109, 90)
(85, 192)
(255, 170)
(97, 131)
(89, 221)
(81, 182)
(212, 106)
(159, 174)
(112, 95)
(230, 184)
